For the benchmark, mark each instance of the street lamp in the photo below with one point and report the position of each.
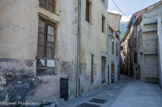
(112, 38)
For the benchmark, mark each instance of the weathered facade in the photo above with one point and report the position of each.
(43, 43)
(114, 47)
(22, 63)
(144, 32)
(93, 45)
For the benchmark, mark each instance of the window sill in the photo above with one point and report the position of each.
(50, 11)
(45, 71)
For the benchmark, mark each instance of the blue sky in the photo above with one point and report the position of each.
(130, 6)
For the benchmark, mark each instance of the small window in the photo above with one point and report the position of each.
(103, 24)
(130, 42)
(140, 36)
(88, 11)
(113, 47)
(135, 57)
(134, 42)
(116, 49)
(48, 4)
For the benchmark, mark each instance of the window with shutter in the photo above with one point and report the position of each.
(46, 44)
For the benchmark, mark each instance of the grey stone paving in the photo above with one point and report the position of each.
(127, 92)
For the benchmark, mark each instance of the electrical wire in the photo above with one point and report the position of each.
(120, 9)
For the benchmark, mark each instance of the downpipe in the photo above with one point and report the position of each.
(78, 50)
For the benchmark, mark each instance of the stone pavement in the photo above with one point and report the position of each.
(127, 92)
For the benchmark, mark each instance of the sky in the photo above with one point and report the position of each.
(129, 7)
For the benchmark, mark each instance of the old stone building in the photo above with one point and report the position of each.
(93, 45)
(113, 46)
(144, 44)
(37, 48)
(52, 49)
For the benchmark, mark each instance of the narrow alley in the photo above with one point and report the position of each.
(127, 92)
(80, 53)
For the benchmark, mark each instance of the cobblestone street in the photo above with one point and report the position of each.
(127, 92)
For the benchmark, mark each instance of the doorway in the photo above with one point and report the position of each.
(112, 72)
(103, 69)
(108, 74)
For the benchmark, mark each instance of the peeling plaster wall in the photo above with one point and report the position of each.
(66, 47)
(18, 50)
(18, 29)
(93, 41)
(18, 47)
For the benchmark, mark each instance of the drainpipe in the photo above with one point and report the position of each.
(108, 45)
(159, 32)
(78, 50)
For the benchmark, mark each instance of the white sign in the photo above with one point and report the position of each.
(42, 62)
(50, 63)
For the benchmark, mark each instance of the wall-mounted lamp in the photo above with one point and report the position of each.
(112, 38)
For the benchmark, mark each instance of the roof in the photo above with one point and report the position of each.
(115, 13)
(117, 35)
(147, 9)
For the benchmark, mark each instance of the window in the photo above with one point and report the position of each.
(116, 49)
(103, 69)
(103, 24)
(92, 67)
(140, 36)
(46, 44)
(134, 42)
(135, 57)
(48, 4)
(113, 47)
(88, 11)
